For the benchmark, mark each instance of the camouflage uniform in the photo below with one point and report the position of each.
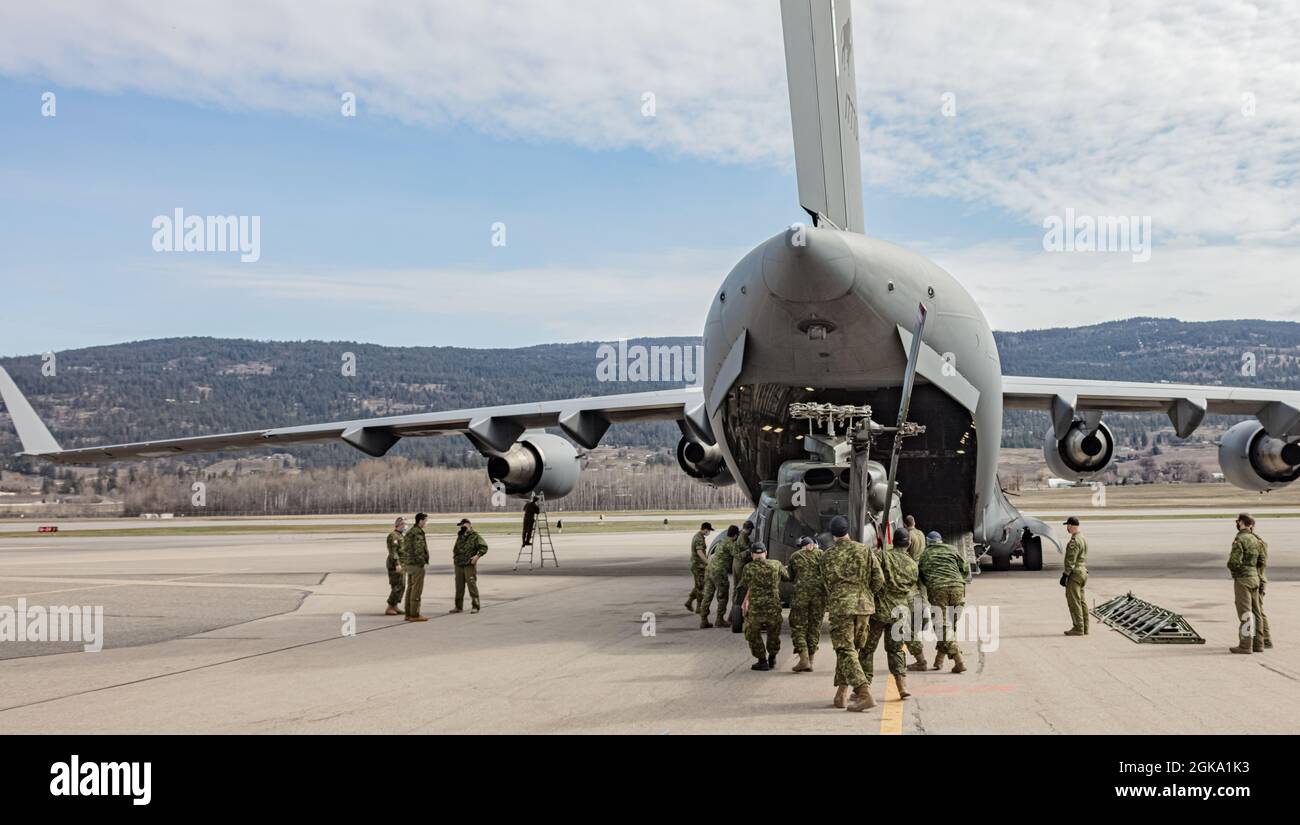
(699, 545)
(1264, 635)
(415, 555)
(715, 580)
(893, 605)
(762, 580)
(396, 581)
(468, 545)
(1244, 564)
(915, 547)
(852, 573)
(944, 570)
(739, 558)
(1076, 571)
(809, 603)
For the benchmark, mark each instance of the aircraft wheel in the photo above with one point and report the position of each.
(1002, 562)
(1033, 559)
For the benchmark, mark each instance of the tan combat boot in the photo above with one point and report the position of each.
(721, 621)
(689, 603)
(1074, 631)
(1243, 646)
(862, 698)
(958, 666)
(938, 660)
(901, 681)
(704, 622)
(919, 666)
(1257, 645)
(809, 669)
(802, 665)
(841, 694)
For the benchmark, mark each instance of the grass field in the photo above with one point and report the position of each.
(1120, 502)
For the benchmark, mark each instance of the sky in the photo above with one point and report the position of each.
(528, 122)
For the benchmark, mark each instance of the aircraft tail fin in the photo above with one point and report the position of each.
(824, 109)
(33, 434)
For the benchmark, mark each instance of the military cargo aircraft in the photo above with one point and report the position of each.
(816, 315)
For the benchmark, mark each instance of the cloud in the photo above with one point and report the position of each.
(624, 296)
(1135, 108)
(1021, 288)
(668, 293)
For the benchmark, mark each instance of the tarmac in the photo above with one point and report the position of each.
(253, 634)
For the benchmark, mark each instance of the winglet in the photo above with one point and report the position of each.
(32, 433)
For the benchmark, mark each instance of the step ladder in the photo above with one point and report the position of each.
(540, 542)
(1146, 623)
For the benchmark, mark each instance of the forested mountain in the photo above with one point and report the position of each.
(191, 386)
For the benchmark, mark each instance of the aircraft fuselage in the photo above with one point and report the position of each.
(817, 314)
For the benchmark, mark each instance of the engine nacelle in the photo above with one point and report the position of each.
(1254, 460)
(703, 463)
(541, 463)
(1080, 455)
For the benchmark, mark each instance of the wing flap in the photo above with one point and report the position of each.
(490, 425)
(1185, 404)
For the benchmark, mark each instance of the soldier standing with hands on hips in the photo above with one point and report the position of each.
(469, 548)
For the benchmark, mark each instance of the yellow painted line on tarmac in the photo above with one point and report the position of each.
(891, 716)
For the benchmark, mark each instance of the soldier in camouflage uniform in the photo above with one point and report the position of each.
(852, 574)
(715, 578)
(469, 548)
(893, 617)
(916, 546)
(762, 607)
(1244, 564)
(809, 603)
(396, 582)
(944, 571)
(415, 555)
(740, 556)
(1076, 577)
(699, 562)
(1263, 580)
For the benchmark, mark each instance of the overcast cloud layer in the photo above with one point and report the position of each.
(1188, 113)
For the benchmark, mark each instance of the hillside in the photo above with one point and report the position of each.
(189, 386)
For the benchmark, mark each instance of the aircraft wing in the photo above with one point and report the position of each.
(585, 420)
(1186, 404)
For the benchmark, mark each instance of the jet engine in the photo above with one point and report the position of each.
(703, 463)
(1254, 460)
(540, 463)
(1080, 455)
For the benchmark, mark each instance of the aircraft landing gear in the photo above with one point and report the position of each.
(1033, 553)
